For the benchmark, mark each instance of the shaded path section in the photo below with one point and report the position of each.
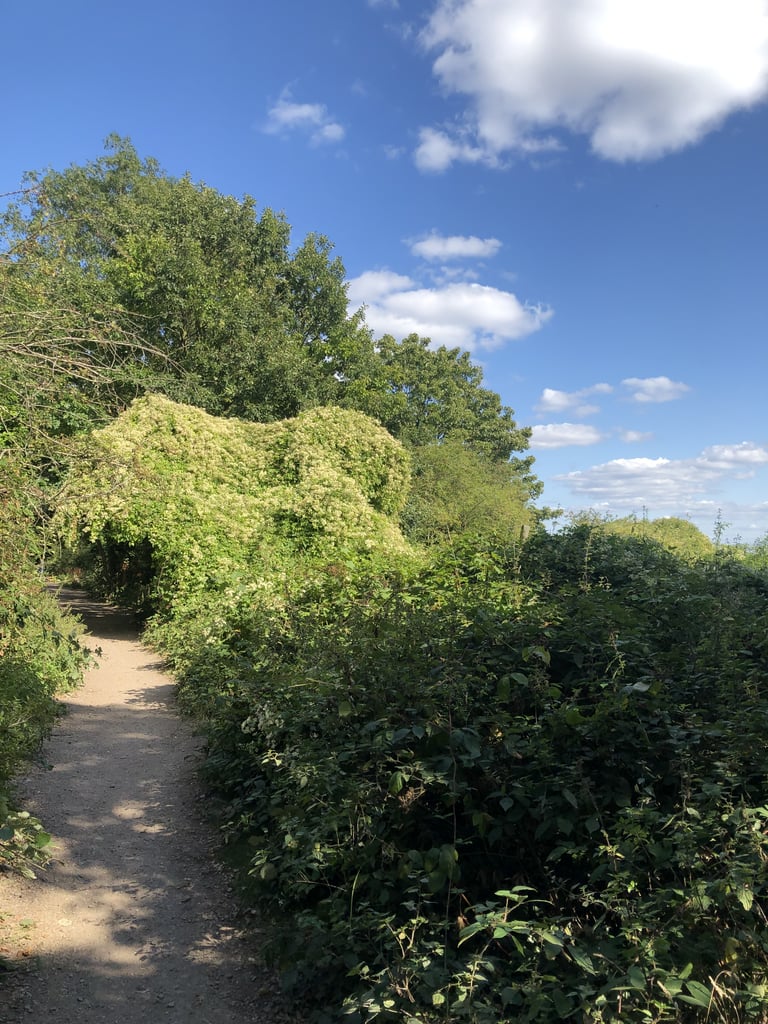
(133, 921)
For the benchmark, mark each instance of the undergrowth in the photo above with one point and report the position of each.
(522, 784)
(40, 658)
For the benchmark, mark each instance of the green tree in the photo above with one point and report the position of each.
(224, 316)
(456, 491)
(466, 477)
(424, 395)
(679, 536)
(244, 327)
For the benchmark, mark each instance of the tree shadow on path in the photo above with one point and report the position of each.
(133, 921)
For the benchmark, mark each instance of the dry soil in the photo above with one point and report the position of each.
(134, 920)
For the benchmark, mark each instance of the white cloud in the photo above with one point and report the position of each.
(374, 285)
(634, 436)
(655, 389)
(665, 483)
(554, 401)
(312, 119)
(437, 151)
(740, 459)
(435, 246)
(445, 274)
(459, 314)
(561, 435)
(640, 78)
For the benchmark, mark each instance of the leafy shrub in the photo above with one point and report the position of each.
(172, 501)
(487, 784)
(505, 785)
(40, 657)
(677, 535)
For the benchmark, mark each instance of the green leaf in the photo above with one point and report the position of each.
(553, 944)
(396, 782)
(510, 997)
(581, 958)
(472, 929)
(636, 978)
(698, 994)
(563, 1003)
(745, 896)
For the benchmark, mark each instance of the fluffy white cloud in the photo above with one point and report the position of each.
(737, 459)
(435, 246)
(634, 436)
(311, 118)
(436, 151)
(554, 401)
(462, 314)
(663, 483)
(655, 389)
(640, 78)
(374, 285)
(560, 435)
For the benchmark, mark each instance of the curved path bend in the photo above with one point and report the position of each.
(133, 922)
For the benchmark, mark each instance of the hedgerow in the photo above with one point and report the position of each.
(510, 785)
(172, 501)
(522, 783)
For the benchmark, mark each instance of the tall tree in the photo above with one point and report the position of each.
(425, 395)
(222, 314)
(246, 325)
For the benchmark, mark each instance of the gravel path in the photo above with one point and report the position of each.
(133, 921)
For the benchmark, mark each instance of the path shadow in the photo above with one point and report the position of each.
(146, 928)
(106, 621)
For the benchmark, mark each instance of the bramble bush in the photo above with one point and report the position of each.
(523, 784)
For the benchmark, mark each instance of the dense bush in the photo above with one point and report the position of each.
(677, 535)
(523, 784)
(40, 657)
(171, 501)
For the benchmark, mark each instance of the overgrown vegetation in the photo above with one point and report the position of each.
(40, 657)
(472, 771)
(500, 781)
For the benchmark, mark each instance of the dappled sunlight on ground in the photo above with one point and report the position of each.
(133, 916)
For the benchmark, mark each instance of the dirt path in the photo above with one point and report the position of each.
(133, 921)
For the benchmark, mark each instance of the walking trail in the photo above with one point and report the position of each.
(133, 921)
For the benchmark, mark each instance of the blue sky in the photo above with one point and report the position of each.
(574, 190)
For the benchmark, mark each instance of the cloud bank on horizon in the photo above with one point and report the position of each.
(625, 485)
(639, 79)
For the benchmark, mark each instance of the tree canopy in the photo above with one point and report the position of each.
(243, 327)
(144, 282)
